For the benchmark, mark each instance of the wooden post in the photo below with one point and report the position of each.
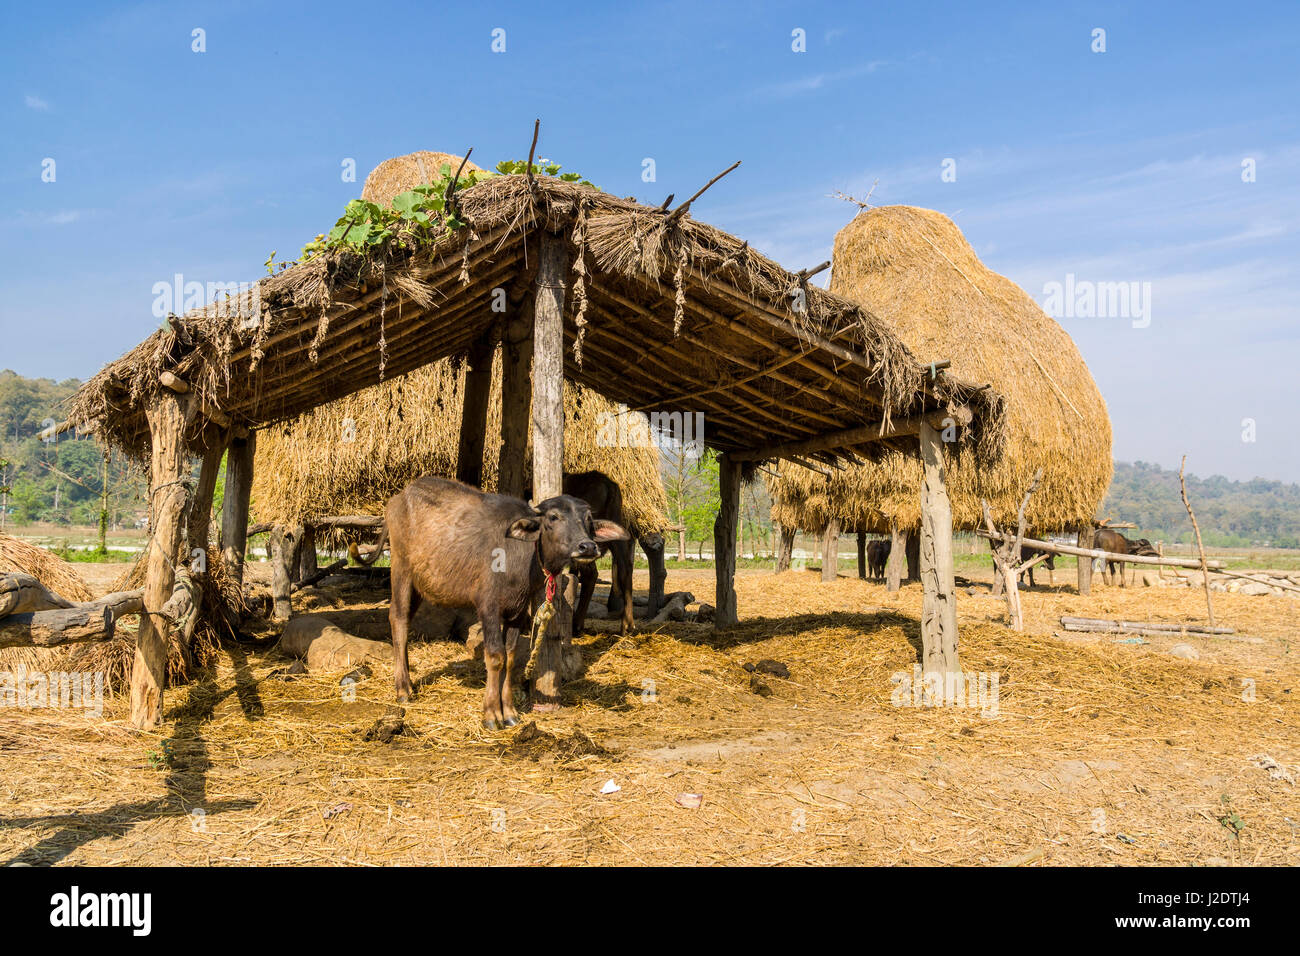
(200, 520)
(724, 542)
(548, 447)
(912, 551)
(516, 401)
(283, 549)
(786, 550)
(168, 500)
(831, 550)
(862, 555)
(306, 555)
(939, 601)
(1200, 548)
(473, 416)
(894, 563)
(1085, 564)
(234, 511)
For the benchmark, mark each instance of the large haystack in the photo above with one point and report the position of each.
(351, 456)
(914, 269)
(401, 173)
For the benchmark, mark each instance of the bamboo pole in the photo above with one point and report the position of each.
(1205, 568)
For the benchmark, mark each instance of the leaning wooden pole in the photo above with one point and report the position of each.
(548, 447)
(939, 600)
(169, 500)
(1200, 548)
(724, 542)
(200, 519)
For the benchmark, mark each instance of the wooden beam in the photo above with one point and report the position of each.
(79, 623)
(234, 511)
(862, 435)
(939, 592)
(1055, 548)
(724, 542)
(169, 501)
(474, 411)
(548, 447)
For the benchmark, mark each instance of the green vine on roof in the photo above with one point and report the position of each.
(368, 228)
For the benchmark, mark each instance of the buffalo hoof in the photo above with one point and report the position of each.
(510, 721)
(490, 724)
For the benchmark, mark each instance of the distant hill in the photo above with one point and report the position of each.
(1230, 513)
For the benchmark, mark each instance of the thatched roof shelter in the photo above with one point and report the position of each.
(668, 313)
(351, 456)
(642, 304)
(914, 269)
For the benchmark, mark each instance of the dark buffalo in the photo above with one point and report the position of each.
(454, 546)
(605, 497)
(1116, 543)
(877, 555)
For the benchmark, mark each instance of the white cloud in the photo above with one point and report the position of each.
(36, 103)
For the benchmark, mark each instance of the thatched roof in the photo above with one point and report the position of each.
(664, 313)
(914, 269)
(351, 456)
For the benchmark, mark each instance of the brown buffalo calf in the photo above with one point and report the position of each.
(454, 546)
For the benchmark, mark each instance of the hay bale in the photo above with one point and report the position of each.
(401, 173)
(914, 269)
(352, 455)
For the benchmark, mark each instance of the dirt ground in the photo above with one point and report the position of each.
(1093, 751)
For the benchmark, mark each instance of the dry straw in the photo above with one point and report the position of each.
(351, 456)
(914, 269)
(19, 557)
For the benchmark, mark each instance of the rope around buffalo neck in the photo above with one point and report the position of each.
(541, 621)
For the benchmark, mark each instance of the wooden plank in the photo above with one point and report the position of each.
(724, 542)
(939, 592)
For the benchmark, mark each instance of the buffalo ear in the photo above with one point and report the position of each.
(527, 528)
(609, 531)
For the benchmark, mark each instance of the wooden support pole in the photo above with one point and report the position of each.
(234, 510)
(912, 552)
(283, 552)
(831, 550)
(548, 448)
(1200, 548)
(306, 555)
(200, 519)
(939, 600)
(724, 542)
(653, 546)
(473, 418)
(894, 563)
(169, 499)
(786, 550)
(516, 401)
(862, 555)
(1085, 563)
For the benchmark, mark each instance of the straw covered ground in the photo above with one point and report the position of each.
(1098, 752)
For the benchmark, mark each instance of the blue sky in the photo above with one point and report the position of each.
(1122, 166)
